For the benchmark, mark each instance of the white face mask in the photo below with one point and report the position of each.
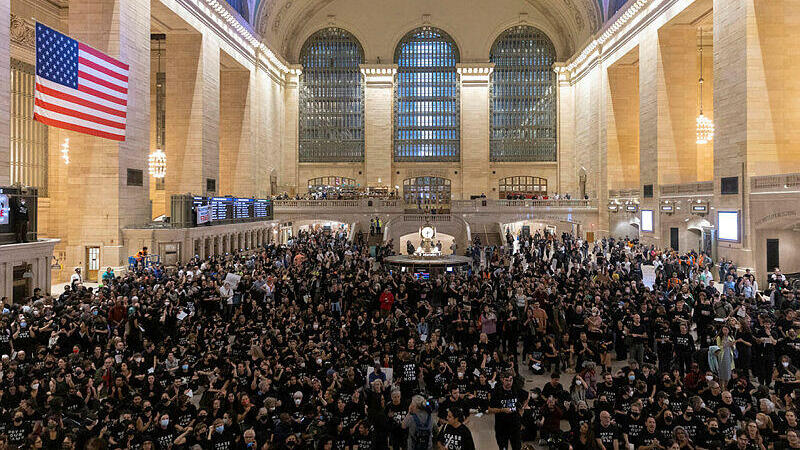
(35, 386)
(297, 401)
(577, 382)
(709, 377)
(319, 361)
(785, 363)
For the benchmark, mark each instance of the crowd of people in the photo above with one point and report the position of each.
(315, 345)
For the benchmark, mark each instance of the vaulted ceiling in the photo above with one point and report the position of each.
(474, 24)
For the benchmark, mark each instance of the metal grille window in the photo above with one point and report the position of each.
(331, 98)
(522, 186)
(426, 104)
(426, 193)
(28, 137)
(523, 97)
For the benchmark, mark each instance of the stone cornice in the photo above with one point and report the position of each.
(475, 73)
(379, 75)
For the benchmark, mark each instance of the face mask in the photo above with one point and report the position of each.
(35, 386)
(315, 326)
(297, 401)
(164, 422)
(94, 312)
(185, 367)
(319, 361)
(23, 324)
(785, 363)
(709, 377)
(577, 382)
(631, 377)
(220, 429)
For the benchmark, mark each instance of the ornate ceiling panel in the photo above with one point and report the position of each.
(285, 24)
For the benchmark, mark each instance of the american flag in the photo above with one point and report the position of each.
(79, 88)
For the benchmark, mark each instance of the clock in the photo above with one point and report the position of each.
(427, 232)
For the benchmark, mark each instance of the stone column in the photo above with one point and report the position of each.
(237, 164)
(474, 79)
(378, 123)
(567, 173)
(650, 162)
(192, 108)
(100, 201)
(287, 176)
(5, 99)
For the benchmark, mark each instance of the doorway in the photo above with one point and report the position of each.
(773, 256)
(92, 263)
(21, 284)
(673, 238)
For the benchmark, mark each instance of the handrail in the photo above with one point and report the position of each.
(399, 206)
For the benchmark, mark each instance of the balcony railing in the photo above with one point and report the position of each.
(398, 206)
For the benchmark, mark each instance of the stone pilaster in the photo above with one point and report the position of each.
(567, 173)
(192, 116)
(287, 176)
(474, 79)
(237, 164)
(5, 105)
(100, 202)
(378, 123)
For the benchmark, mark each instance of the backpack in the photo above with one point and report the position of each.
(422, 435)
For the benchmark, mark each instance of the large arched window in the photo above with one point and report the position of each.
(426, 104)
(331, 98)
(523, 97)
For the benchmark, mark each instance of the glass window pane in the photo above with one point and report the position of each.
(331, 98)
(523, 97)
(426, 102)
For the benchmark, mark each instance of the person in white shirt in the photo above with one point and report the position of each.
(76, 277)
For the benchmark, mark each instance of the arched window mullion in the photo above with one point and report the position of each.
(523, 97)
(331, 105)
(426, 106)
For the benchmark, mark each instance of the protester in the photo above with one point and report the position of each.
(316, 345)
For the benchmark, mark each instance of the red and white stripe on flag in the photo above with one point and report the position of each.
(79, 88)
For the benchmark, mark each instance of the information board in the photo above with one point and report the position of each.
(221, 208)
(242, 208)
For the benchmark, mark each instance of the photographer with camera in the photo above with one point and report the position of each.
(419, 423)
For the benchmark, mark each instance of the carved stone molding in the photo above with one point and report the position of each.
(23, 32)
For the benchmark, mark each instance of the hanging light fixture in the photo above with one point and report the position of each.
(65, 151)
(158, 159)
(705, 126)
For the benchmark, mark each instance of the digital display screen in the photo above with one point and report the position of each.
(666, 208)
(233, 209)
(647, 220)
(728, 224)
(699, 208)
(261, 209)
(221, 208)
(242, 208)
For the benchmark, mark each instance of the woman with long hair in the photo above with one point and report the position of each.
(726, 344)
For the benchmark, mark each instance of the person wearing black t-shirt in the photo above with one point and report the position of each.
(638, 336)
(454, 435)
(455, 400)
(634, 425)
(713, 439)
(649, 437)
(507, 405)
(689, 422)
(607, 434)
(684, 348)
